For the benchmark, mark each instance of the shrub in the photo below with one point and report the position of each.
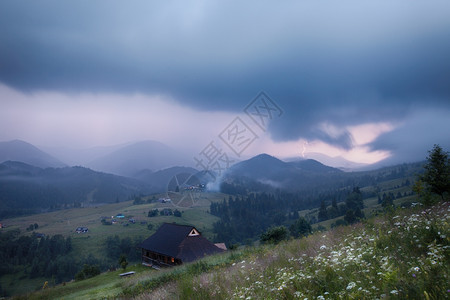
(274, 235)
(88, 271)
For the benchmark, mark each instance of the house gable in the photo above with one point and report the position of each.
(174, 244)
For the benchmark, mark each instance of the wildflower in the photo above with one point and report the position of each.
(323, 247)
(351, 285)
(394, 292)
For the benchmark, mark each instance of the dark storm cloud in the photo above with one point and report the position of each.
(343, 63)
(412, 140)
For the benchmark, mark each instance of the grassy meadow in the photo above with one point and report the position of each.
(66, 221)
(108, 284)
(404, 254)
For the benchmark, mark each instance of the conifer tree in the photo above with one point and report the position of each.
(437, 171)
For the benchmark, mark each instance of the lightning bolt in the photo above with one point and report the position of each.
(304, 148)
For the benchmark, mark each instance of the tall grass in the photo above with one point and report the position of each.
(404, 254)
(401, 255)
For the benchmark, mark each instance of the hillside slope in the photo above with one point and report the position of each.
(400, 255)
(29, 189)
(269, 174)
(371, 260)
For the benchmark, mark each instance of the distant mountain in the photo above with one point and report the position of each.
(159, 181)
(267, 171)
(312, 165)
(130, 159)
(308, 178)
(29, 189)
(18, 150)
(262, 165)
(81, 157)
(335, 162)
(267, 165)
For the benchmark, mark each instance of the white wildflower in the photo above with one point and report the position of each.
(394, 292)
(351, 285)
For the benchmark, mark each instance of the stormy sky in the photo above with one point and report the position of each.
(365, 80)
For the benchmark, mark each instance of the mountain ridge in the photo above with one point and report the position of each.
(130, 159)
(18, 150)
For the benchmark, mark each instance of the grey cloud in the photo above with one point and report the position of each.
(344, 63)
(417, 135)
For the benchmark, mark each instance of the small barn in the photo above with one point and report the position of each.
(174, 244)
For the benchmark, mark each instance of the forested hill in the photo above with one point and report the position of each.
(28, 189)
(269, 192)
(265, 165)
(269, 174)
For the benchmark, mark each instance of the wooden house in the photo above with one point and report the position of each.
(174, 244)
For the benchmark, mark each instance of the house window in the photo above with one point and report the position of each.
(173, 260)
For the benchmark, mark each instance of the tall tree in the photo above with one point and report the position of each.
(123, 261)
(300, 228)
(354, 202)
(323, 215)
(437, 171)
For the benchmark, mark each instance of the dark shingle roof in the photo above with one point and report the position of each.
(174, 240)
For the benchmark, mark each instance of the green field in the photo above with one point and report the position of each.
(66, 221)
(369, 260)
(108, 284)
